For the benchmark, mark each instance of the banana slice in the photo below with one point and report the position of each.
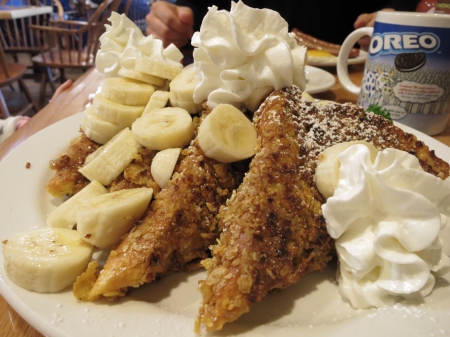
(102, 220)
(123, 115)
(164, 129)
(227, 135)
(157, 101)
(308, 97)
(327, 170)
(127, 91)
(98, 129)
(173, 53)
(138, 76)
(64, 216)
(155, 68)
(163, 165)
(46, 260)
(182, 91)
(109, 160)
(257, 97)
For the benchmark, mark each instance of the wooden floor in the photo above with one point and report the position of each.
(15, 99)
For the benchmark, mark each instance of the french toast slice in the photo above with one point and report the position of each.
(67, 181)
(178, 227)
(273, 229)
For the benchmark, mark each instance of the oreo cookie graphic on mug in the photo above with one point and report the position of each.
(407, 71)
(407, 62)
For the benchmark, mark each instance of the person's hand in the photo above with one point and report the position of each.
(67, 84)
(170, 23)
(367, 20)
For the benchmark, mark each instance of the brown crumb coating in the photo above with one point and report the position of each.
(67, 181)
(273, 229)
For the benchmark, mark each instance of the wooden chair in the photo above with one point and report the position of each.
(10, 73)
(14, 33)
(69, 44)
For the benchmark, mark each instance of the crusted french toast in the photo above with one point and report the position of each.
(178, 228)
(273, 229)
(67, 181)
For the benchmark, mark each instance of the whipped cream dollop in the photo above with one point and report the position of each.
(244, 49)
(123, 42)
(386, 217)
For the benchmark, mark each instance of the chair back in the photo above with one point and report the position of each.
(4, 72)
(15, 36)
(71, 44)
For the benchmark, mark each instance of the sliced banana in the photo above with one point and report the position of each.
(149, 66)
(257, 97)
(227, 135)
(98, 129)
(307, 96)
(164, 129)
(102, 220)
(157, 101)
(123, 115)
(126, 91)
(163, 165)
(46, 260)
(328, 165)
(109, 160)
(138, 76)
(64, 216)
(182, 91)
(173, 53)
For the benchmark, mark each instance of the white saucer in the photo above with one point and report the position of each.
(318, 80)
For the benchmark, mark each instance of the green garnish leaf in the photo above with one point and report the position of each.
(378, 110)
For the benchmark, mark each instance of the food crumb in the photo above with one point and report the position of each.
(28, 165)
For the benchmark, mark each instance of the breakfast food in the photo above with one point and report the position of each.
(227, 135)
(273, 229)
(164, 129)
(65, 216)
(103, 219)
(107, 162)
(385, 215)
(46, 260)
(313, 43)
(247, 56)
(177, 229)
(163, 165)
(67, 180)
(181, 91)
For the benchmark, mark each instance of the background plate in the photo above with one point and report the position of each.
(168, 307)
(332, 61)
(318, 80)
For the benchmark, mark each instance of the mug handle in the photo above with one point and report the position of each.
(342, 63)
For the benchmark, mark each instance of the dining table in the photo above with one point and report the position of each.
(72, 101)
(18, 12)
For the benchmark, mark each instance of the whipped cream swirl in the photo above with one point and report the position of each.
(244, 49)
(386, 217)
(123, 42)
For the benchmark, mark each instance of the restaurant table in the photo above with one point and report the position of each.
(72, 101)
(13, 12)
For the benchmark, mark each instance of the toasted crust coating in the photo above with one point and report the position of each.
(273, 228)
(67, 181)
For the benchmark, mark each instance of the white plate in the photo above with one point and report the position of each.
(318, 80)
(312, 307)
(332, 61)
